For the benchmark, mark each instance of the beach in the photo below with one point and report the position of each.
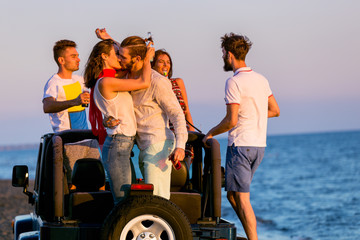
(13, 202)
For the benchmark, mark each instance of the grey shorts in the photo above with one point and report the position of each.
(241, 164)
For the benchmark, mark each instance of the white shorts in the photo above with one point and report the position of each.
(156, 167)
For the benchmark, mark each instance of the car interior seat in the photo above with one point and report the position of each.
(77, 162)
(88, 202)
(182, 195)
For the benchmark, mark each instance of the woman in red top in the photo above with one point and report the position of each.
(109, 96)
(162, 63)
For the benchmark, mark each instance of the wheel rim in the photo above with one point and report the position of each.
(147, 227)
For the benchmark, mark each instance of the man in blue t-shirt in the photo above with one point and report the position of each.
(64, 93)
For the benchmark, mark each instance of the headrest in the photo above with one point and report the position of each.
(87, 148)
(88, 175)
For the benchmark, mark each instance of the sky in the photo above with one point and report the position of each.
(308, 50)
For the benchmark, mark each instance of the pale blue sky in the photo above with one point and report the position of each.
(307, 49)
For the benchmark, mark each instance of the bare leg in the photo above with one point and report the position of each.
(231, 198)
(241, 204)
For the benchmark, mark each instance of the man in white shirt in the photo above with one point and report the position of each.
(64, 94)
(249, 102)
(153, 108)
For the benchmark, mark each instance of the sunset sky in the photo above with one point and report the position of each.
(307, 49)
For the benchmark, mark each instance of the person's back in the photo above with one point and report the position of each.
(251, 127)
(121, 108)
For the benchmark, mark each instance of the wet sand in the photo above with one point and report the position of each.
(13, 202)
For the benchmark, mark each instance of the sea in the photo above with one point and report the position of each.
(306, 188)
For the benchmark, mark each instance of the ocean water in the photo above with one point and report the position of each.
(306, 188)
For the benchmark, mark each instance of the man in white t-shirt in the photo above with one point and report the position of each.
(64, 97)
(249, 102)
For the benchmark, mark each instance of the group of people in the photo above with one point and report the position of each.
(133, 98)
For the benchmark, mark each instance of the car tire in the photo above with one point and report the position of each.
(146, 217)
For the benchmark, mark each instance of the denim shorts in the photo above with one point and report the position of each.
(116, 159)
(241, 164)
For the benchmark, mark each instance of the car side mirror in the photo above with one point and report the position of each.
(20, 177)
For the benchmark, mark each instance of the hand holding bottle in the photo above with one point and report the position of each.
(85, 98)
(176, 156)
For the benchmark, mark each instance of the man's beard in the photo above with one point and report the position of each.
(128, 66)
(227, 65)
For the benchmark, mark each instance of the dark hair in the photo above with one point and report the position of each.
(158, 53)
(95, 63)
(238, 45)
(59, 48)
(136, 45)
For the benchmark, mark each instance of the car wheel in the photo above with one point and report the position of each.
(146, 218)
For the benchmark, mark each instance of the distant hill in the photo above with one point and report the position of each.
(19, 147)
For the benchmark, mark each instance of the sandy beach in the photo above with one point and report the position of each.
(12, 203)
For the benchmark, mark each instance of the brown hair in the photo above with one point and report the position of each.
(158, 53)
(238, 45)
(95, 63)
(136, 45)
(60, 47)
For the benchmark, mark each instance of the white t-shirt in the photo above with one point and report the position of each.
(62, 90)
(120, 107)
(251, 91)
